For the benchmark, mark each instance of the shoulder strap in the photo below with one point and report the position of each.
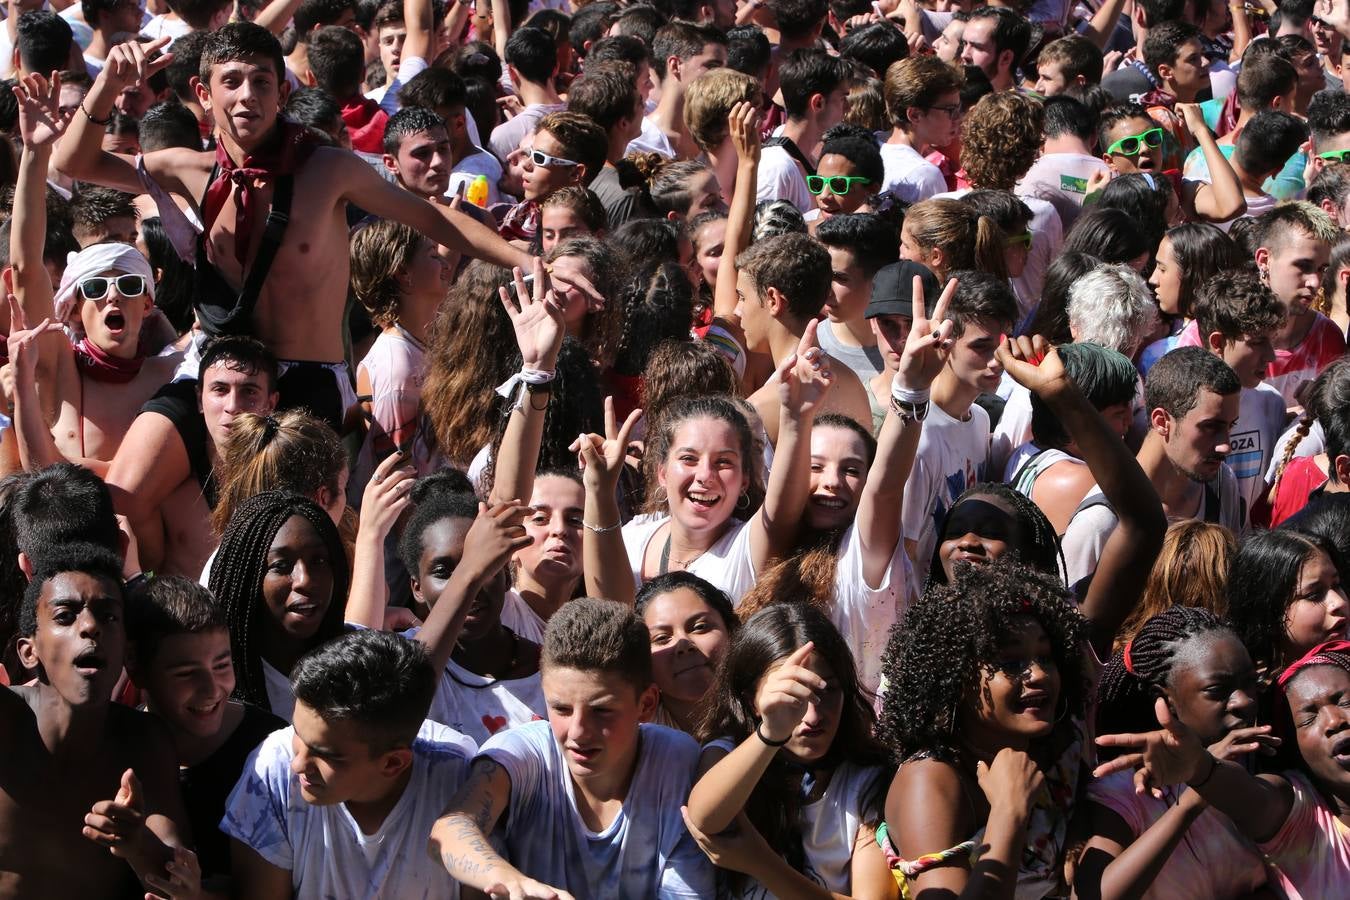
(1022, 469)
(793, 151)
(1213, 505)
(274, 229)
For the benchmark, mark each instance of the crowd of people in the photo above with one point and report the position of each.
(675, 448)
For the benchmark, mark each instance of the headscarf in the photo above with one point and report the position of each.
(95, 260)
(1330, 653)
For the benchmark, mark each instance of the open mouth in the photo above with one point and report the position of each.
(702, 500)
(304, 610)
(90, 662)
(832, 503)
(1340, 749)
(115, 321)
(1034, 702)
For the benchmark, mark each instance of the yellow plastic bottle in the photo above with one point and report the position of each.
(478, 191)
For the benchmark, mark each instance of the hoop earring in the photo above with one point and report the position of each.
(744, 502)
(1059, 718)
(660, 497)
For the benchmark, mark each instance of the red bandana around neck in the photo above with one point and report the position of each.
(282, 155)
(102, 366)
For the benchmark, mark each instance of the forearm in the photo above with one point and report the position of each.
(417, 19)
(994, 875)
(276, 15)
(724, 789)
(1224, 200)
(1131, 874)
(1256, 806)
(518, 455)
(786, 883)
(1103, 23)
(369, 594)
(603, 557)
(441, 630)
(37, 447)
(739, 217)
(501, 25)
(463, 849)
(881, 508)
(789, 487)
(80, 149)
(472, 238)
(1242, 31)
(28, 231)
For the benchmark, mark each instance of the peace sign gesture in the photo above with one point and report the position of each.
(922, 357)
(804, 377)
(602, 458)
(536, 318)
(40, 119)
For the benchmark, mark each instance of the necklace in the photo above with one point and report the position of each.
(665, 558)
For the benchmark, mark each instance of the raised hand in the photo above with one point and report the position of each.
(602, 458)
(536, 318)
(40, 119)
(1335, 13)
(182, 881)
(119, 823)
(743, 124)
(784, 693)
(1011, 782)
(1195, 119)
(387, 495)
(494, 537)
(920, 358)
(804, 377)
(130, 63)
(1034, 364)
(1171, 755)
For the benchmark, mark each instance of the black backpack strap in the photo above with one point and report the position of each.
(793, 151)
(274, 230)
(1213, 505)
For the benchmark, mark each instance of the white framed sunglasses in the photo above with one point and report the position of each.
(99, 287)
(540, 158)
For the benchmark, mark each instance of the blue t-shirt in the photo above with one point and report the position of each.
(645, 852)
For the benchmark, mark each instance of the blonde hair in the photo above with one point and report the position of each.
(1191, 570)
(708, 102)
(290, 451)
(968, 240)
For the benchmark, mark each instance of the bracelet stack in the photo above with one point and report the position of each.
(910, 405)
(534, 380)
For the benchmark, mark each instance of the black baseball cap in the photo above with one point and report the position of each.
(893, 290)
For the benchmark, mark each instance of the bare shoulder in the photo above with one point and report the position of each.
(927, 809)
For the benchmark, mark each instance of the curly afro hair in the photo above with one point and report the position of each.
(936, 657)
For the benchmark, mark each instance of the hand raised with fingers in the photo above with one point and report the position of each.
(743, 123)
(119, 823)
(40, 119)
(784, 693)
(1034, 364)
(1190, 114)
(804, 377)
(602, 458)
(536, 318)
(1171, 755)
(921, 358)
(495, 535)
(387, 495)
(130, 62)
(182, 879)
(1241, 741)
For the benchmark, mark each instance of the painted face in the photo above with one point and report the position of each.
(814, 734)
(594, 716)
(1020, 691)
(297, 587)
(838, 471)
(423, 163)
(704, 473)
(978, 530)
(1319, 702)
(442, 549)
(1318, 610)
(689, 638)
(540, 181)
(1294, 270)
(858, 194)
(1197, 443)
(189, 679)
(333, 761)
(710, 241)
(227, 392)
(80, 640)
(558, 223)
(1166, 280)
(113, 323)
(972, 358)
(555, 528)
(243, 97)
(1213, 685)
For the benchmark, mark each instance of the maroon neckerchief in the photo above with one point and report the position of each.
(105, 367)
(282, 155)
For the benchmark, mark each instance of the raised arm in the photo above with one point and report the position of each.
(882, 500)
(81, 155)
(36, 446)
(744, 124)
(1222, 199)
(1129, 553)
(1103, 23)
(539, 328)
(459, 839)
(804, 380)
(421, 26)
(387, 495)
(276, 15)
(604, 561)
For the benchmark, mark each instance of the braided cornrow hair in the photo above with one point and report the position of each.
(1039, 545)
(237, 577)
(1135, 677)
(1314, 410)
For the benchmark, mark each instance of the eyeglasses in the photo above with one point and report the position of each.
(99, 287)
(952, 110)
(1334, 155)
(839, 185)
(1132, 145)
(540, 158)
(1022, 240)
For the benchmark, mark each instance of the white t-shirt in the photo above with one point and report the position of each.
(652, 139)
(1061, 180)
(645, 852)
(279, 696)
(829, 826)
(864, 614)
(781, 178)
(161, 26)
(1091, 526)
(1013, 429)
(952, 456)
(395, 366)
(506, 136)
(1260, 420)
(521, 618)
(726, 565)
(1313, 443)
(324, 849)
(908, 175)
(470, 167)
(479, 707)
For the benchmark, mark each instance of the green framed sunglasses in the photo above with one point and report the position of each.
(839, 184)
(1334, 155)
(1023, 240)
(1132, 145)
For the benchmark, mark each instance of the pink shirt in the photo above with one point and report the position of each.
(1312, 849)
(1212, 861)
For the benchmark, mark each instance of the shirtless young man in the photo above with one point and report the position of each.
(79, 774)
(72, 401)
(284, 283)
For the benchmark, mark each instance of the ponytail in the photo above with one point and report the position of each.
(989, 240)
